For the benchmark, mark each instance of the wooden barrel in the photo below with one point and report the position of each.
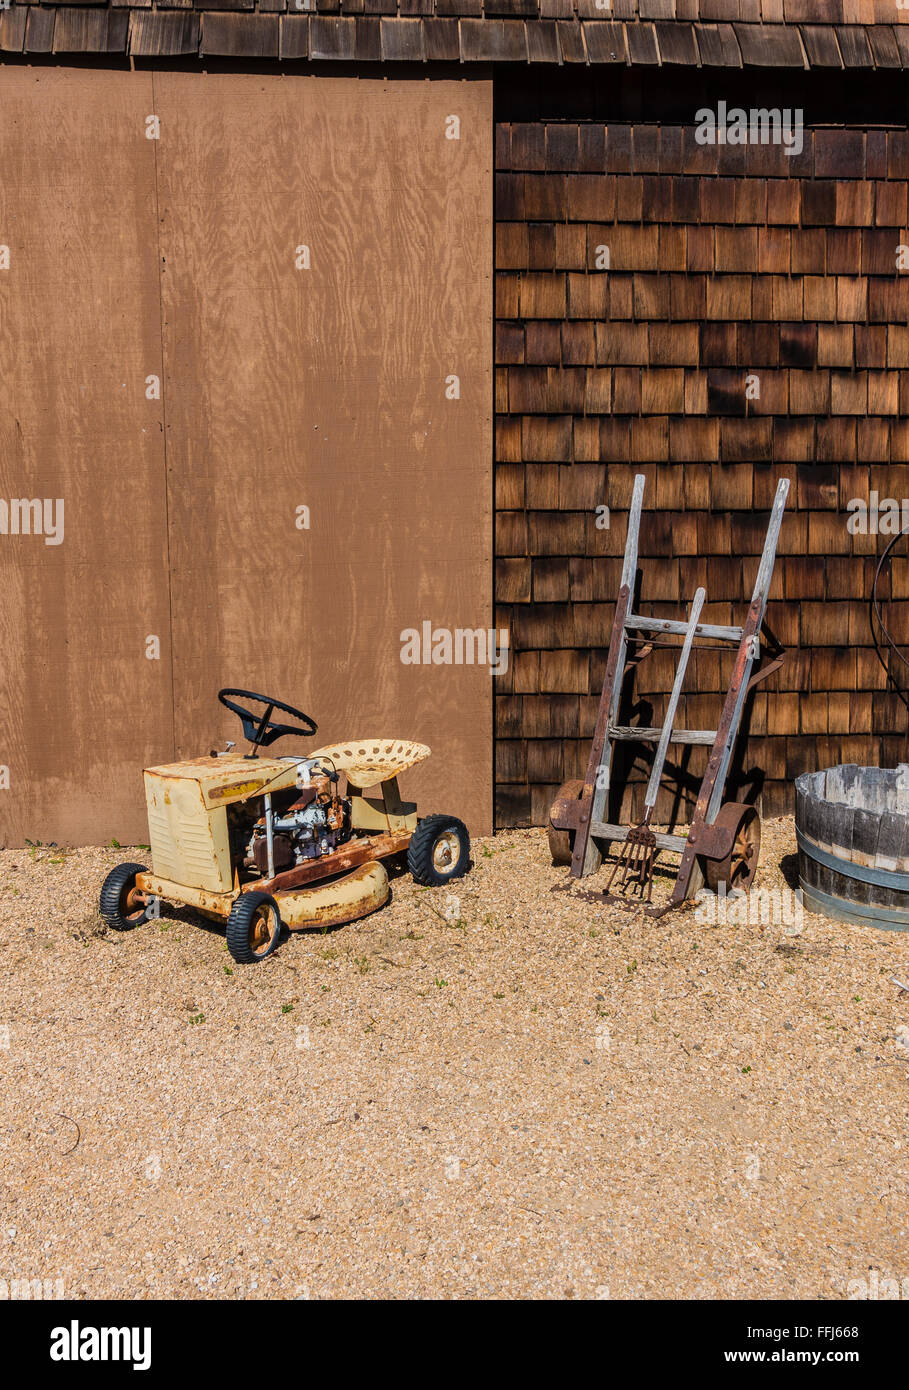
(852, 825)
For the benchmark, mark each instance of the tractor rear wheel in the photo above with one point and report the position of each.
(439, 851)
(122, 907)
(253, 928)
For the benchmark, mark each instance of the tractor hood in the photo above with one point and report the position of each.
(187, 813)
(222, 780)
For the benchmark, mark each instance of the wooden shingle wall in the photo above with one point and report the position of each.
(725, 263)
(672, 34)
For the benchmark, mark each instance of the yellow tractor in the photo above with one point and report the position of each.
(264, 842)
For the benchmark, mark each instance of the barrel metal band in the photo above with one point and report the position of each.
(887, 918)
(881, 878)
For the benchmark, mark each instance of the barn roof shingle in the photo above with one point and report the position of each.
(711, 34)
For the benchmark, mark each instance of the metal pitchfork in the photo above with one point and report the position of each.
(639, 850)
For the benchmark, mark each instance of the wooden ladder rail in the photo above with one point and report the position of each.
(710, 796)
(586, 857)
(659, 758)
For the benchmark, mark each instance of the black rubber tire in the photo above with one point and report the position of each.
(113, 892)
(239, 925)
(420, 850)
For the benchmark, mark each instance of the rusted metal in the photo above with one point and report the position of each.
(635, 863)
(733, 847)
(353, 853)
(219, 904)
(369, 761)
(710, 841)
(332, 904)
(232, 790)
(744, 657)
(282, 852)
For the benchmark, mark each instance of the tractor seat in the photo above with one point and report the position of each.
(369, 761)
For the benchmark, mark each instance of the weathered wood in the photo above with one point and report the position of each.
(854, 855)
(631, 734)
(83, 709)
(676, 628)
(659, 758)
(301, 375)
(275, 389)
(603, 830)
(586, 857)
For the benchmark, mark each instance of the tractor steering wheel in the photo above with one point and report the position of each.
(261, 730)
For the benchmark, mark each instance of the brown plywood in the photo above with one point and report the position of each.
(326, 388)
(81, 708)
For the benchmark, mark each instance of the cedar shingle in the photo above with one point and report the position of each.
(854, 46)
(798, 344)
(605, 42)
(811, 304)
(818, 199)
(165, 34)
(441, 36)
(839, 154)
(402, 40)
(642, 44)
(294, 40)
(13, 27)
(39, 31)
(821, 46)
(591, 146)
(844, 250)
(87, 31)
(717, 45)
(561, 146)
(493, 40)
(591, 197)
(330, 38)
(228, 5)
(890, 204)
(769, 46)
(677, 44)
(884, 48)
(542, 42)
(572, 42)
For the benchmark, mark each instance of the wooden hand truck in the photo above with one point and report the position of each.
(724, 838)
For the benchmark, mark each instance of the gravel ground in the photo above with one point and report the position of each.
(512, 1091)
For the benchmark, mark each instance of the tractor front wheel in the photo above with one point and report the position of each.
(439, 851)
(122, 906)
(253, 928)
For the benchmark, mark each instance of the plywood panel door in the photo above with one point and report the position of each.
(84, 583)
(351, 379)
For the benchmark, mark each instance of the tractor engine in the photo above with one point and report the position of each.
(313, 825)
